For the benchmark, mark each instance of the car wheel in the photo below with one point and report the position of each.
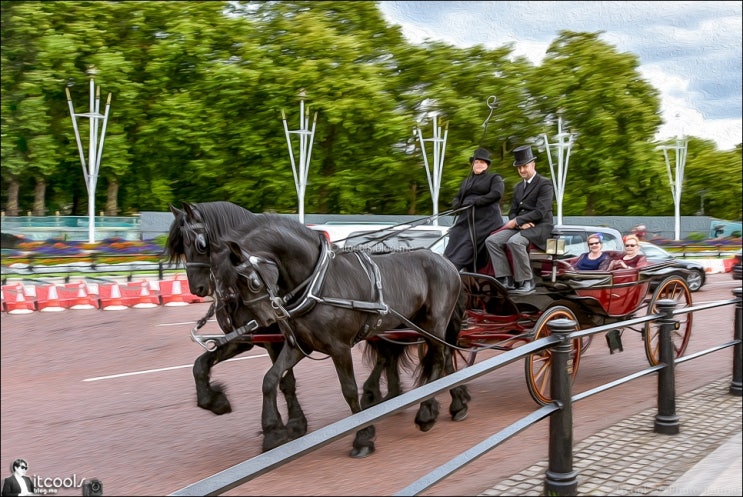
(694, 280)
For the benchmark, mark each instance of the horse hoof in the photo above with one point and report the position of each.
(460, 415)
(217, 408)
(424, 427)
(296, 429)
(361, 452)
(274, 438)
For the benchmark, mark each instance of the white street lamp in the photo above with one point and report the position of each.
(564, 142)
(305, 150)
(95, 149)
(434, 176)
(677, 180)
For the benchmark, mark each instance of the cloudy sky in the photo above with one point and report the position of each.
(690, 51)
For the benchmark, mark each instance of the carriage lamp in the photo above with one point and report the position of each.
(555, 246)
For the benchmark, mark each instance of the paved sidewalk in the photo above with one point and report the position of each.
(631, 459)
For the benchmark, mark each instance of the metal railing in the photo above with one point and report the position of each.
(560, 478)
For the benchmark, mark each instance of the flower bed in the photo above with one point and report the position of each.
(110, 250)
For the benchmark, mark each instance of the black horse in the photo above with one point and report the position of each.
(189, 241)
(278, 271)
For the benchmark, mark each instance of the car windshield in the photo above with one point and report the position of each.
(393, 240)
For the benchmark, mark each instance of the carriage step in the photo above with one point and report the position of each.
(614, 340)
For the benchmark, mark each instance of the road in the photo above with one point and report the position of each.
(110, 395)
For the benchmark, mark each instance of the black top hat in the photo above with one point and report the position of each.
(523, 155)
(481, 154)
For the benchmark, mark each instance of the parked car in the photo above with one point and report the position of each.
(576, 237)
(736, 272)
(696, 276)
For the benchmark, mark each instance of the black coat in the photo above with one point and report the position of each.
(534, 206)
(483, 192)
(12, 487)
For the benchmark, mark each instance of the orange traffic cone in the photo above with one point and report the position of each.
(172, 293)
(48, 299)
(82, 299)
(110, 297)
(16, 302)
(146, 298)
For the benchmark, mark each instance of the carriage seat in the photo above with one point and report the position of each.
(566, 273)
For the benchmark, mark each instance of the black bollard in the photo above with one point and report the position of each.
(666, 420)
(736, 385)
(560, 478)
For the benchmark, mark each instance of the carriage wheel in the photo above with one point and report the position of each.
(585, 342)
(538, 366)
(674, 288)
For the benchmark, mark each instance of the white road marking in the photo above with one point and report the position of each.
(165, 369)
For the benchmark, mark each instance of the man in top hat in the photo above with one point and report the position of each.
(529, 221)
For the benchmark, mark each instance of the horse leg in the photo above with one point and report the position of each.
(387, 357)
(274, 431)
(214, 399)
(296, 425)
(433, 364)
(376, 351)
(460, 395)
(363, 444)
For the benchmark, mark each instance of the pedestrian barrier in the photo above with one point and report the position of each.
(18, 298)
(171, 292)
(176, 292)
(76, 294)
(47, 299)
(139, 295)
(15, 301)
(110, 298)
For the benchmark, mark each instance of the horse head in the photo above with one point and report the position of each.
(259, 272)
(191, 233)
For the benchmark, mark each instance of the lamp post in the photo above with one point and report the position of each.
(95, 148)
(701, 193)
(433, 173)
(563, 144)
(676, 180)
(305, 150)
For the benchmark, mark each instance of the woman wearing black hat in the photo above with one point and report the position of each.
(480, 192)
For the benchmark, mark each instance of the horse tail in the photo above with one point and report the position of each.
(385, 352)
(451, 337)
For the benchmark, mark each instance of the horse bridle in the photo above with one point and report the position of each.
(200, 240)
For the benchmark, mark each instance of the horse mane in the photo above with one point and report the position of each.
(292, 246)
(218, 218)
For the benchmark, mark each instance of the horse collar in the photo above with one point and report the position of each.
(305, 302)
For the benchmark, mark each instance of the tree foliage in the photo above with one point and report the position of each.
(200, 89)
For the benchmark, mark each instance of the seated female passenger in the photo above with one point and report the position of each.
(632, 256)
(593, 260)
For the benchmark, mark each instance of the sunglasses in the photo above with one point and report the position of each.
(630, 245)
(594, 243)
(23, 467)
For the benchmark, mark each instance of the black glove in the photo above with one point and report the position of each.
(455, 204)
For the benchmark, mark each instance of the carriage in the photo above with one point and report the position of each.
(493, 318)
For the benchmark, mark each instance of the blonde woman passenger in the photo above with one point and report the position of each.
(632, 256)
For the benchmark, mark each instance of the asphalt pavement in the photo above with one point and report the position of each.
(631, 459)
